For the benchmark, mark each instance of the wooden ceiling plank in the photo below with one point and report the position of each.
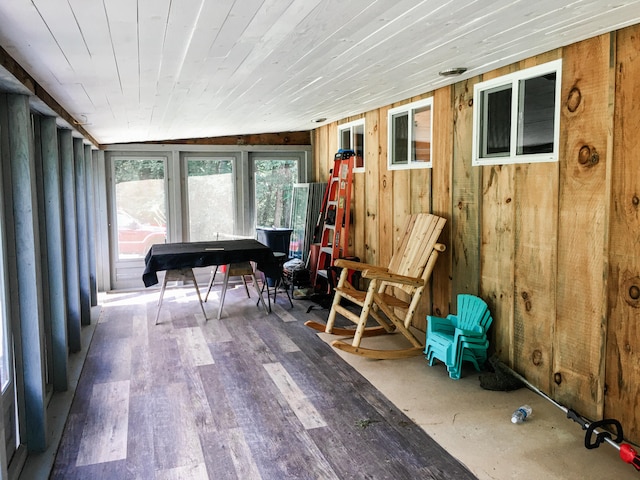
(236, 22)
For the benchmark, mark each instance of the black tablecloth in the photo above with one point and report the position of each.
(173, 256)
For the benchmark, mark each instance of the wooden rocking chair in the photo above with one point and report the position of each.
(393, 291)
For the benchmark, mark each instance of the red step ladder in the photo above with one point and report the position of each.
(336, 214)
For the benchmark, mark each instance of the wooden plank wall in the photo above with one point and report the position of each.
(622, 394)
(554, 248)
(578, 339)
(442, 175)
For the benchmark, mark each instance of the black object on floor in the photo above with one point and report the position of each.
(322, 301)
(500, 379)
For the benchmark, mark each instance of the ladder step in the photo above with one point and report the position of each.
(327, 249)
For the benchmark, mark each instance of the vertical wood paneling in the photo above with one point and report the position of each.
(441, 188)
(374, 156)
(419, 191)
(385, 195)
(332, 143)
(497, 256)
(401, 191)
(623, 319)
(535, 234)
(534, 268)
(358, 204)
(321, 155)
(465, 224)
(582, 227)
(418, 200)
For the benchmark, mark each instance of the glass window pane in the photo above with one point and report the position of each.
(5, 351)
(421, 135)
(536, 114)
(140, 206)
(400, 139)
(345, 139)
(496, 125)
(358, 145)
(274, 181)
(210, 196)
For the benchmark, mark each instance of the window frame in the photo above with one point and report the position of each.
(185, 208)
(409, 109)
(513, 81)
(351, 126)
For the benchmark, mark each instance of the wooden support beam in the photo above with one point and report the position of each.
(83, 238)
(67, 171)
(91, 223)
(55, 251)
(27, 275)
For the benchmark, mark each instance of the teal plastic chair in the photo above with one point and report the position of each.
(461, 337)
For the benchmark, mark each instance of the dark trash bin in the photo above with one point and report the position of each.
(277, 239)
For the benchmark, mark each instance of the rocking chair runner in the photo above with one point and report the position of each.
(393, 293)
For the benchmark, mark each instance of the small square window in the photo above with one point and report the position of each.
(410, 134)
(517, 117)
(351, 137)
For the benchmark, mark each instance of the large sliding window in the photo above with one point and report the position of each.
(210, 198)
(140, 205)
(273, 187)
(190, 196)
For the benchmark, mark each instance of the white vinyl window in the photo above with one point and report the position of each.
(351, 137)
(410, 135)
(516, 117)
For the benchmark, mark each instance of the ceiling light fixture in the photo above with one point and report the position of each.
(320, 120)
(452, 72)
(82, 122)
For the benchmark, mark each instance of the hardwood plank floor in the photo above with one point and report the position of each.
(250, 396)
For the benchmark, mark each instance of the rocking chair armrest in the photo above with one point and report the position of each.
(359, 266)
(392, 277)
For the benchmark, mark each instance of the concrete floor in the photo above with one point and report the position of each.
(474, 424)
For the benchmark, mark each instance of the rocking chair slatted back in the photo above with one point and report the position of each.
(418, 240)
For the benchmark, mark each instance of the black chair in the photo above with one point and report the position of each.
(275, 279)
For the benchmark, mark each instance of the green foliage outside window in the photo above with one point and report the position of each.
(274, 181)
